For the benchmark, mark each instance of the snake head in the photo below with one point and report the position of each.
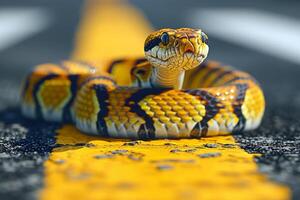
(176, 49)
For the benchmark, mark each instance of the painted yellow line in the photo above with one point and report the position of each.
(108, 31)
(94, 168)
(86, 167)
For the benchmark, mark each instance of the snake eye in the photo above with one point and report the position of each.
(204, 37)
(141, 72)
(164, 38)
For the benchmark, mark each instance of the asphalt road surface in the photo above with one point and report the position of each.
(23, 150)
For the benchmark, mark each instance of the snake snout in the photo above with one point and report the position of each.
(188, 47)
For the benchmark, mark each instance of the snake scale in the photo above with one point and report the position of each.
(170, 93)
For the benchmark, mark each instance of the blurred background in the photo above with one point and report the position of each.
(259, 36)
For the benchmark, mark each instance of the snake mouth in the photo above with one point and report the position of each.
(182, 59)
(201, 57)
(161, 60)
(190, 55)
(186, 54)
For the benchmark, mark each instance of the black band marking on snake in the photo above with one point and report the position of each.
(209, 73)
(102, 97)
(38, 111)
(112, 65)
(202, 66)
(26, 85)
(147, 130)
(222, 75)
(231, 81)
(139, 82)
(212, 107)
(237, 108)
(67, 117)
(152, 43)
(139, 61)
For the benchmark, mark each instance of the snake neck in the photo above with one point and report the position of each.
(164, 78)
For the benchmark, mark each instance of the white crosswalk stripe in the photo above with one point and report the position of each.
(18, 24)
(270, 33)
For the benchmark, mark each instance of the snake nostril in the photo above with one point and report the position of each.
(141, 72)
(189, 48)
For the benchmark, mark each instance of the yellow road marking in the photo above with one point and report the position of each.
(95, 168)
(86, 167)
(104, 27)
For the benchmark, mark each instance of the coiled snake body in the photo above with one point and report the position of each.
(168, 94)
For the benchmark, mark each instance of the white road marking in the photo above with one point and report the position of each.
(266, 32)
(18, 24)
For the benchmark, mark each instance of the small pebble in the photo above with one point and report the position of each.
(59, 161)
(175, 150)
(135, 158)
(90, 145)
(228, 145)
(190, 150)
(4, 155)
(169, 144)
(82, 176)
(119, 151)
(178, 161)
(102, 156)
(80, 144)
(209, 155)
(164, 167)
(211, 145)
(132, 143)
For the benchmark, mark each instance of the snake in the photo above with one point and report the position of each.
(171, 92)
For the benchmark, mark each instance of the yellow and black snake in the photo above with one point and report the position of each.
(168, 94)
